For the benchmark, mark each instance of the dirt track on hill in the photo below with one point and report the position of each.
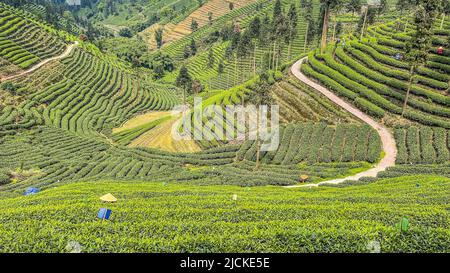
(387, 139)
(39, 65)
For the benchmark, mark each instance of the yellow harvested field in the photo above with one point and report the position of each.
(141, 120)
(148, 34)
(218, 8)
(161, 138)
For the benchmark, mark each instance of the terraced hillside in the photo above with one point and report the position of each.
(215, 8)
(298, 102)
(367, 73)
(238, 70)
(77, 101)
(128, 13)
(85, 94)
(40, 12)
(86, 124)
(57, 128)
(175, 49)
(24, 41)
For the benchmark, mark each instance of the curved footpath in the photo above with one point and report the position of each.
(39, 65)
(388, 141)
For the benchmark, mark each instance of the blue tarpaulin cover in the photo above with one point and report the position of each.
(30, 191)
(104, 213)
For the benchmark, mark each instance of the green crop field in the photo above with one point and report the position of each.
(92, 96)
(156, 217)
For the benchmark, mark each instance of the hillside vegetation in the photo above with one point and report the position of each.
(238, 68)
(213, 8)
(84, 113)
(367, 73)
(23, 41)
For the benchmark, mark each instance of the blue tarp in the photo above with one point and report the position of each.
(31, 191)
(104, 213)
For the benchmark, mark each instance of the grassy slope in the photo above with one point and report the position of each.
(155, 217)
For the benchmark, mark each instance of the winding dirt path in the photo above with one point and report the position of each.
(388, 141)
(39, 65)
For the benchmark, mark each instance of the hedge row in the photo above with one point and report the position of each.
(422, 145)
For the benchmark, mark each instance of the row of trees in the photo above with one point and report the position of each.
(417, 48)
(187, 83)
(354, 6)
(269, 33)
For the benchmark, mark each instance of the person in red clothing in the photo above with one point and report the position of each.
(440, 51)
